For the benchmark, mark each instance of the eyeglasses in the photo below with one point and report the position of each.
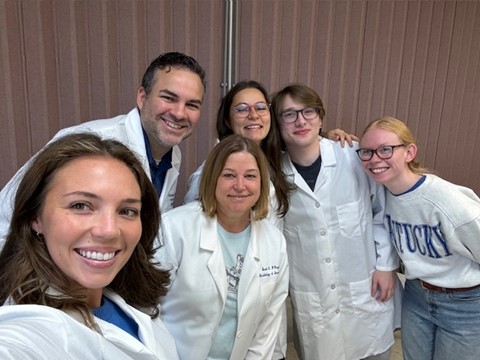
(290, 116)
(243, 110)
(383, 152)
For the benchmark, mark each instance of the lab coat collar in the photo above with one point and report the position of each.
(145, 328)
(328, 160)
(136, 142)
(216, 265)
(250, 280)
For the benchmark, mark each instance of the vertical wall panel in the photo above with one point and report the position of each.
(8, 84)
(415, 60)
(63, 62)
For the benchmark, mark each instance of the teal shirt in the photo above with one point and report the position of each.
(111, 312)
(234, 247)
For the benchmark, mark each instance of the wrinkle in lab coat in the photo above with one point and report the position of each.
(193, 307)
(125, 128)
(334, 246)
(44, 333)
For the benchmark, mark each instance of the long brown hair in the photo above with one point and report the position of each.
(271, 145)
(27, 272)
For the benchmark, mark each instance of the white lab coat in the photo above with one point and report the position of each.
(333, 248)
(125, 128)
(193, 306)
(39, 332)
(280, 351)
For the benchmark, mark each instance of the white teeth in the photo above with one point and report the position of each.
(96, 255)
(173, 125)
(253, 127)
(379, 170)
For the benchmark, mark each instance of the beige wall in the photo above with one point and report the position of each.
(63, 62)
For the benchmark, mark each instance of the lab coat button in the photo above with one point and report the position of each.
(328, 260)
(317, 204)
(332, 286)
(239, 333)
(323, 232)
(337, 311)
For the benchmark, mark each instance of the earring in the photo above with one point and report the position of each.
(40, 236)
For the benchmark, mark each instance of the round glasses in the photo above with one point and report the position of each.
(383, 152)
(242, 110)
(291, 116)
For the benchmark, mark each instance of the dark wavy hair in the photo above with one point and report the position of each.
(27, 272)
(271, 145)
(170, 60)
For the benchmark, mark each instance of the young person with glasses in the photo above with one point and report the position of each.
(342, 263)
(435, 227)
(245, 110)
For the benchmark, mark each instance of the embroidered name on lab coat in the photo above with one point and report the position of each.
(271, 270)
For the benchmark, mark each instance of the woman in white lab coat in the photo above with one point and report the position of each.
(341, 259)
(245, 110)
(229, 264)
(77, 275)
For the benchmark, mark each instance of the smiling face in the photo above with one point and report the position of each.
(237, 189)
(394, 173)
(170, 113)
(254, 127)
(301, 133)
(91, 224)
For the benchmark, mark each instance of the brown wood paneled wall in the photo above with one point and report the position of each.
(63, 62)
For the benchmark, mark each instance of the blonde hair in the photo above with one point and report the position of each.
(216, 162)
(400, 129)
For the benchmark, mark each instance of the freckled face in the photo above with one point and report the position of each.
(254, 127)
(238, 187)
(384, 171)
(90, 221)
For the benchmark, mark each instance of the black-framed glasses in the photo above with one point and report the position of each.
(308, 113)
(383, 152)
(242, 110)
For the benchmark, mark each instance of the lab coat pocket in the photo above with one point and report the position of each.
(363, 303)
(351, 219)
(308, 312)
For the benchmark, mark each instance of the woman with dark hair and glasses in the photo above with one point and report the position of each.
(342, 263)
(435, 227)
(245, 110)
(77, 275)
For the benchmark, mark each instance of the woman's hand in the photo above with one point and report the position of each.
(342, 136)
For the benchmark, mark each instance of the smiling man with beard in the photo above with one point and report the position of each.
(168, 108)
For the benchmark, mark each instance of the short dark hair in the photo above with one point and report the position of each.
(170, 60)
